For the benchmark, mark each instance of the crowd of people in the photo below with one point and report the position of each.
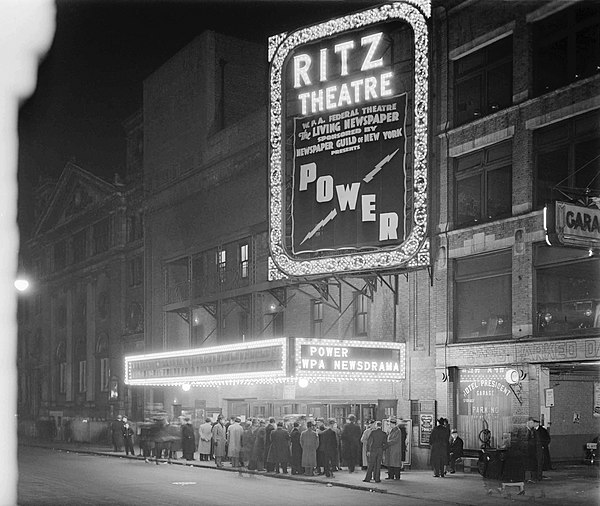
(305, 446)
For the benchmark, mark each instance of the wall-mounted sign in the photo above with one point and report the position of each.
(343, 360)
(426, 425)
(255, 362)
(549, 397)
(571, 225)
(348, 139)
(484, 392)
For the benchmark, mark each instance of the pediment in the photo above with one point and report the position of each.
(77, 192)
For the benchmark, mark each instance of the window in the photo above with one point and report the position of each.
(483, 81)
(567, 291)
(82, 376)
(104, 374)
(221, 265)
(136, 271)
(566, 47)
(79, 246)
(317, 318)
(101, 236)
(483, 296)
(360, 314)
(135, 227)
(567, 158)
(60, 256)
(244, 260)
(62, 377)
(484, 184)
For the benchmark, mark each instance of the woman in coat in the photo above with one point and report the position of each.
(205, 434)
(219, 435)
(309, 441)
(188, 440)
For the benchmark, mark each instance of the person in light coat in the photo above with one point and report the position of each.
(395, 451)
(309, 441)
(363, 439)
(219, 436)
(205, 433)
(234, 442)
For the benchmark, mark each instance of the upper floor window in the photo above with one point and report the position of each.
(60, 255)
(483, 296)
(104, 374)
(135, 227)
(567, 291)
(361, 304)
(82, 376)
(221, 265)
(101, 236)
(317, 318)
(80, 246)
(136, 270)
(484, 184)
(483, 81)
(244, 260)
(62, 377)
(566, 46)
(567, 159)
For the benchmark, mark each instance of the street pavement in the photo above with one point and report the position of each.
(565, 485)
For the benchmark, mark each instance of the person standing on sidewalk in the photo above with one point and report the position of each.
(128, 437)
(205, 435)
(234, 441)
(370, 425)
(116, 432)
(395, 452)
(296, 449)
(375, 447)
(542, 442)
(279, 451)
(351, 444)
(328, 444)
(188, 440)
(219, 440)
(309, 440)
(438, 439)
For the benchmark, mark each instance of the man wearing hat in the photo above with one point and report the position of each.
(188, 439)
(234, 441)
(455, 450)
(395, 451)
(329, 446)
(375, 447)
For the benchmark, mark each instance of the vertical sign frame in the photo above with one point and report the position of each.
(413, 251)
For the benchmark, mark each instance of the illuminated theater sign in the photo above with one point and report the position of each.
(348, 143)
(349, 360)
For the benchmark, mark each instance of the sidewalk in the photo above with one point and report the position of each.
(575, 484)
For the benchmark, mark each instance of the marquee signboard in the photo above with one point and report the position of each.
(348, 143)
(349, 360)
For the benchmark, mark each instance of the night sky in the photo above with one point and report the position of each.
(91, 79)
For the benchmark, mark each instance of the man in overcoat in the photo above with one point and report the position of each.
(370, 425)
(351, 444)
(375, 447)
(455, 450)
(258, 452)
(271, 426)
(219, 435)
(309, 440)
(234, 441)
(188, 439)
(296, 461)
(438, 440)
(395, 451)
(116, 431)
(279, 453)
(328, 445)
(205, 434)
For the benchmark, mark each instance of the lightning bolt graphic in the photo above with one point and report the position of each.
(320, 225)
(379, 166)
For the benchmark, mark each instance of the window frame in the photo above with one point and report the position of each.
(244, 260)
(361, 314)
(221, 263)
(482, 73)
(82, 379)
(316, 312)
(484, 170)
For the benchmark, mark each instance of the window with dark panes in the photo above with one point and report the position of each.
(244, 252)
(101, 236)
(80, 246)
(567, 159)
(136, 271)
(483, 296)
(221, 265)
(567, 291)
(484, 184)
(361, 305)
(317, 317)
(60, 255)
(483, 81)
(566, 46)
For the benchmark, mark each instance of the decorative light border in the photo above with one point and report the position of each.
(349, 375)
(414, 12)
(258, 377)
